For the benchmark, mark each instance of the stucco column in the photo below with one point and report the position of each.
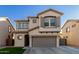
(39, 22)
(57, 40)
(30, 41)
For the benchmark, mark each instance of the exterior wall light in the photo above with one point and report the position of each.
(19, 37)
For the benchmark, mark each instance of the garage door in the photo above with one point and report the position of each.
(44, 41)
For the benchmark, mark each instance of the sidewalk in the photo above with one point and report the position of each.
(27, 50)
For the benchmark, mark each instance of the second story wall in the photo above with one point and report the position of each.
(70, 29)
(33, 22)
(50, 20)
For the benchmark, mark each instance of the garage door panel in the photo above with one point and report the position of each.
(42, 41)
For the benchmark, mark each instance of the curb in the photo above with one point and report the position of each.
(26, 51)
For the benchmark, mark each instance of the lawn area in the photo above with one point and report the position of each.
(12, 50)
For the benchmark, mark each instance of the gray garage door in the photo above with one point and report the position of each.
(44, 41)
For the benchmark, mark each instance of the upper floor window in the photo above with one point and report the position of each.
(50, 21)
(53, 21)
(18, 25)
(66, 36)
(9, 29)
(22, 25)
(67, 29)
(46, 22)
(74, 25)
(34, 20)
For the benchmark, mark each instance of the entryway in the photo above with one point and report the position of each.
(26, 40)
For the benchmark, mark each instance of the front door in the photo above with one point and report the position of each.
(26, 40)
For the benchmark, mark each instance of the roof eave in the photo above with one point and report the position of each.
(50, 10)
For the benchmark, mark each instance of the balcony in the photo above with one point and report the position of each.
(22, 26)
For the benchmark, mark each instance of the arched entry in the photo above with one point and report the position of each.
(26, 40)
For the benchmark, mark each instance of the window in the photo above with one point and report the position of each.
(74, 25)
(18, 25)
(66, 36)
(22, 25)
(46, 22)
(34, 20)
(25, 25)
(53, 21)
(67, 29)
(9, 29)
(50, 21)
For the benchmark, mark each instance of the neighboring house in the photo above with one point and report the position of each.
(6, 29)
(39, 31)
(70, 32)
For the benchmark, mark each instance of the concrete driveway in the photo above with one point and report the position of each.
(59, 50)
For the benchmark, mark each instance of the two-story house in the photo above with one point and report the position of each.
(6, 32)
(39, 31)
(70, 31)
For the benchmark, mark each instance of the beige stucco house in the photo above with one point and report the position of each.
(39, 31)
(6, 30)
(70, 31)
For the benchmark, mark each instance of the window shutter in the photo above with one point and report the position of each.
(58, 21)
(42, 22)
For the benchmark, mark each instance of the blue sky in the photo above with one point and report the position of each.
(15, 12)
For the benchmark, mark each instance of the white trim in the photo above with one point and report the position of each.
(57, 40)
(49, 23)
(30, 41)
